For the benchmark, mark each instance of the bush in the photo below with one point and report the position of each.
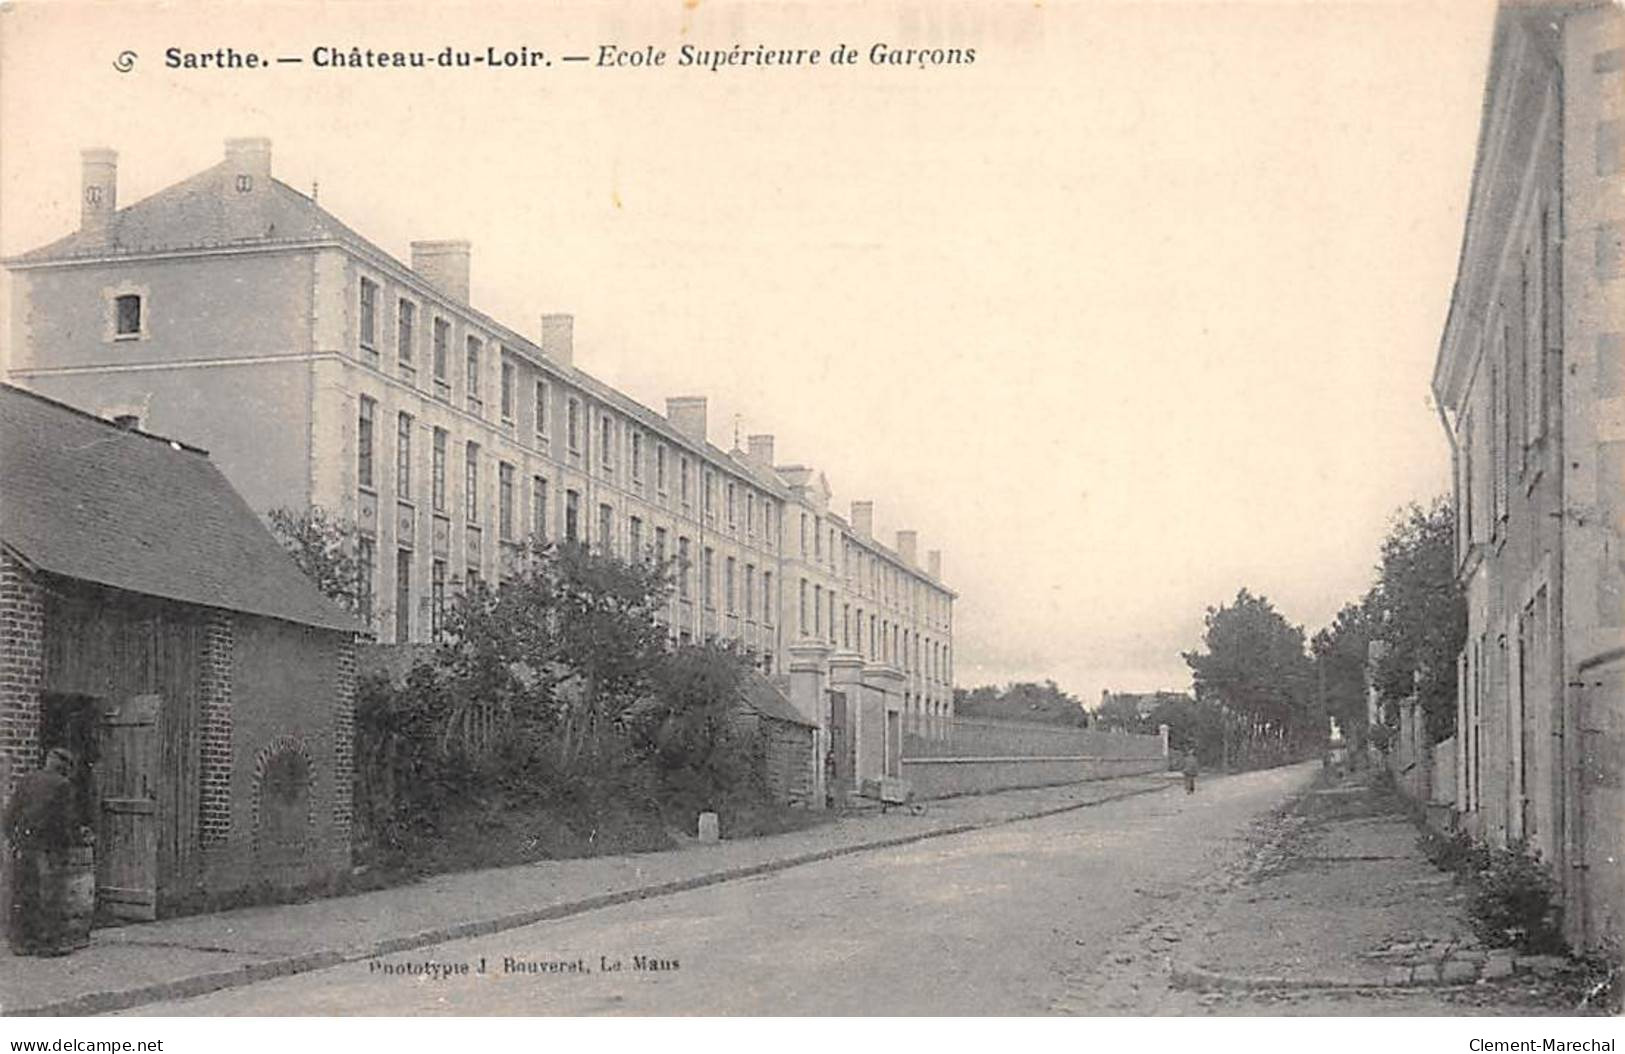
(1513, 900)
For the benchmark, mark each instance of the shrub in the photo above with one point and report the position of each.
(1513, 902)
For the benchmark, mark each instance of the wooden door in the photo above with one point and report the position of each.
(127, 778)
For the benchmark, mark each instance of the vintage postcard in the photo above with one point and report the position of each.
(979, 509)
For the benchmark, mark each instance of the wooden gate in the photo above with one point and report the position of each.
(127, 778)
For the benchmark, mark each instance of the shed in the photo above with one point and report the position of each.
(150, 621)
(786, 741)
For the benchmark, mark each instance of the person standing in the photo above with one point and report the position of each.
(41, 825)
(1189, 768)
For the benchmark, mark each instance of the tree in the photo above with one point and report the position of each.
(1254, 666)
(1023, 701)
(1422, 614)
(323, 545)
(1340, 652)
(1122, 712)
(691, 729)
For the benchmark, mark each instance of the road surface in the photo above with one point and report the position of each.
(1004, 920)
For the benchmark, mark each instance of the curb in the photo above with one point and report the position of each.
(1196, 977)
(201, 984)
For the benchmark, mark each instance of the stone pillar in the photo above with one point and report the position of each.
(883, 696)
(1162, 730)
(846, 676)
(809, 674)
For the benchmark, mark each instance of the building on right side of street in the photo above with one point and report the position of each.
(1530, 382)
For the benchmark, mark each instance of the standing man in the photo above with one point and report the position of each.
(41, 824)
(1190, 769)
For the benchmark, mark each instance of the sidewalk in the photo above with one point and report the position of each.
(130, 965)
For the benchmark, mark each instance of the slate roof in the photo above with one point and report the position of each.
(764, 698)
(83, 498)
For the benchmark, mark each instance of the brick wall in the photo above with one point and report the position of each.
(344, 743)
(22, 667)
(214, 807)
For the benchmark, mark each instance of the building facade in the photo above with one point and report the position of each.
(234, 312)
(1530, 380)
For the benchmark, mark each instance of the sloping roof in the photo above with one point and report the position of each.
(764, 698)
(83, 498)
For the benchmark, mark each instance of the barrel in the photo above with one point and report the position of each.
(76, 885)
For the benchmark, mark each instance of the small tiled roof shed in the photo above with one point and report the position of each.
(150, 620)
(785, 740)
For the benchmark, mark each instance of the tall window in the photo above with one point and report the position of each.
(606, 529)
(366, 557)
(572, 425)
(805, 526)
(403, 596)
(437, 597)
(830, 624)
(728, 572)
(471, 374)
(405, 330)
(127, 315)
(750, 591)
(541, 408)
(438, 471)
(606, 440)
(707, 567)
(471, 483)
(637, 455)
(634, 538)
(660, 545)
(801, 624)
(682, 568)
(767, 597)
(369, 312)
(505, 501)
(710, 490)
(818, 540)
(538, 508)
(730, 503)
(363, 442)
(442, 345)
(660, 468)
(572, 516)
(818, 611)
(403, 457)
(682, 479)
(507, 390)
(750, 513)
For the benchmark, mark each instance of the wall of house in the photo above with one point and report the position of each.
(948, 777)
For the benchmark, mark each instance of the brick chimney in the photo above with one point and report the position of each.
(933, 562)
(558, 338)
(444, 265)
(863, 519)
(98, 190)
(248, 165)
(907, 545)
(688, 414)
(761, 449)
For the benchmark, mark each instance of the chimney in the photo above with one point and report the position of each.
(688, 414)
(98, 192)
(248, 165)
(907, 543)
(444, 265)
(558, 338)
(863, 519)
(933, 562)
(761, 449)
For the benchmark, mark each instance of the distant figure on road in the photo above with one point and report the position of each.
(1189, 768)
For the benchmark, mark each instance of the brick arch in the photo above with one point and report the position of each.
(284, 744)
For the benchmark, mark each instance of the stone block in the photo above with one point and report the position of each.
(1497, 965)
(709, 829)
(1457, 971)
(1397, 976)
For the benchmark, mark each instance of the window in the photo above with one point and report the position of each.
(660, 545)
(507, 390)
(710, 491)
(637, 455)
(442, 343)
(818, 540)
(437, 480)
(731, 504)
(707, 569)
(818, 611)
(437, 597)
(750, 591)
(403, 457)
(471, 483)
(406, 318)
(767, 597)
(846, 625)
(403, 596)
(729, 571)
(682, 479)
(363, 442)
(572, 516)
(606, 441)
(471, 375)
(682, 568)
(572, 425)
(634, 539)
(805, 524)
(505, 501)
(127, 315)
(660, 469)
(365, 558)
(541, 408)
(606, 529)
(830, 625)
(802, 609)
(538, 508)
(750, 513)
(369, 313)
(1534, 282)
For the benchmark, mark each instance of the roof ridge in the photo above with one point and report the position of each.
(176, 444)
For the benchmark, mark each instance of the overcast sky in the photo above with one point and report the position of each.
(1137, 309)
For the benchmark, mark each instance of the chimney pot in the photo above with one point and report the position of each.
(444, 265)
(863, 519)
(687, 412)
(98, 188)
(558, 338)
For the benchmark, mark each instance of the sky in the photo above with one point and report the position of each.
(1138, 308)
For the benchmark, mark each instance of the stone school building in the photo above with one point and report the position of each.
(150, 622)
